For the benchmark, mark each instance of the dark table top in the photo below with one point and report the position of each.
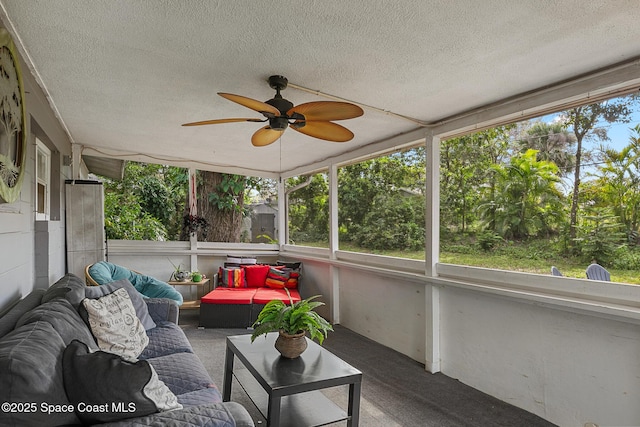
(315, 368)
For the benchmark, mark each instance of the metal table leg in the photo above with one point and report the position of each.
(228, 375)
(273, 411)
(354, 405)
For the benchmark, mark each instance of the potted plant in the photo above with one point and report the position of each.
(292, 321)
(179, 275)
(196, 276)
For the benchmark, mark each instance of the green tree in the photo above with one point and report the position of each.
(395, 221)
(599, 235)
(585, 123)
(361, 182)
(363, 185)
(553, 142)
(465, 168)
(220, 202)
(526, 200)
(146, 203)
(617, 184)
(125, 219)
(309, 209)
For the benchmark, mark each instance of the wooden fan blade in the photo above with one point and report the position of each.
(218, 121)
(265, 136)
(255, 105)
(327, 110)
(325, 130)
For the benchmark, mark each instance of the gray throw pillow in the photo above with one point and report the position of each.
(64, 318)
(69, 287)
(108, 388)
(95, 292)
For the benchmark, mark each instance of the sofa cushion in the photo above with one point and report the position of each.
(239, 260)
(256, 275)
(228, 414)
(9, 318)
(101, 381)
(264, 295)
(294, 278)
(105, 272)
(202, 396)
(277, 277)
(31, 371)
(114, 323)
(69, 287)
(64, 319)
(294, 265)
(161, 309)
(183, 373)
(166, 338)
(232, 277)
(139, 305)
(229, 296)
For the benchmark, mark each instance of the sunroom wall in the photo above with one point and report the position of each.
(22, 240)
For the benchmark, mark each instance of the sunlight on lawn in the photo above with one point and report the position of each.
(497, 261)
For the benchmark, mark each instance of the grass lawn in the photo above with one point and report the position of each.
(500, 261)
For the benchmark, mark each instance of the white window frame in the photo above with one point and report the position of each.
(42, 178)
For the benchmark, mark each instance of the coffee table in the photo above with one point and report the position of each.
(291, 386)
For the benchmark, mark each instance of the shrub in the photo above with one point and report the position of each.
(394, 222)
(488, 240)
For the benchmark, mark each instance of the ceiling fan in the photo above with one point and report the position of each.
(312, 118)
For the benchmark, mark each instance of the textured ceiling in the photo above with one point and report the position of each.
(125, 74)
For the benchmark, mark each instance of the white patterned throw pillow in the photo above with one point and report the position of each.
(114, 323)
(159, 393)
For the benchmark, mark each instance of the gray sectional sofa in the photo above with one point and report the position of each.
(51, 368)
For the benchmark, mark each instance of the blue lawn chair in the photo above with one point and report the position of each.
(598, 272)
(555, 271)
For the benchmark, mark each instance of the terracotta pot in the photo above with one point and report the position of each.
(291, 346)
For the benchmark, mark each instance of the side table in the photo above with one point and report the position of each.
(192, 302)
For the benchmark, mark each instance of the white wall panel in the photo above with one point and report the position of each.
(389, 311)
(568, 368)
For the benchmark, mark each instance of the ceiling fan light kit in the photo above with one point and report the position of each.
(314, 119)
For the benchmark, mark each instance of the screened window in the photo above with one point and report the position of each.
(149, 203)
(560, 190)
(307, 199)
(381, 205)
(43, 180)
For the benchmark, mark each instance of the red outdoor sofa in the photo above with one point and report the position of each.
(244, 289)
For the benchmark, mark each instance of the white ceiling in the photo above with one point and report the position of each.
(123, 75)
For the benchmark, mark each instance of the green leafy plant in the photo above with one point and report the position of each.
(292, 319)
(178, 273)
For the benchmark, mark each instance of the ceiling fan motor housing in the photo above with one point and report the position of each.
(281, 104)
(279, 123)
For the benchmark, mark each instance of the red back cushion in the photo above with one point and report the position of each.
(256, 275)
(292, 282)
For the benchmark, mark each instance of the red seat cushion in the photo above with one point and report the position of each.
(264, 295)
(229, 296)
